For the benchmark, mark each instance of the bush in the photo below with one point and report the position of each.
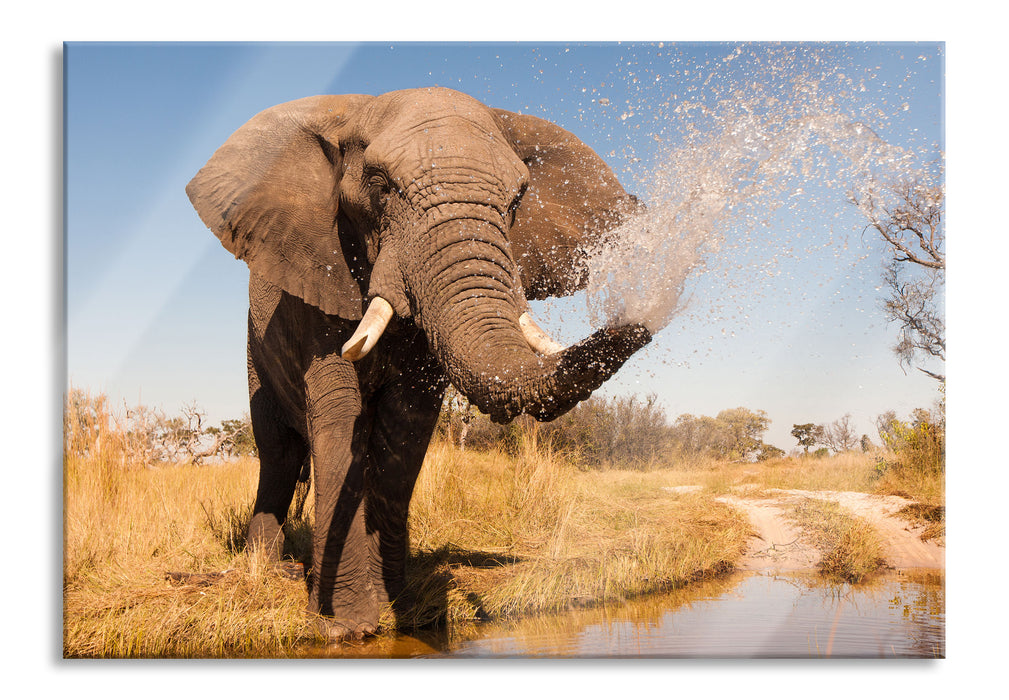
(767, 452)
(605, 432)
(733, 434)
(920, 447)
(142, 436)
(915, 464)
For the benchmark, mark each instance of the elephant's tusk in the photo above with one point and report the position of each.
(537, 337)
(376, 318)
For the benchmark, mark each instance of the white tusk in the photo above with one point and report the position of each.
(537, 337)
(376, 318)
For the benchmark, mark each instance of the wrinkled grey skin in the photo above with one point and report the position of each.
(455, 214)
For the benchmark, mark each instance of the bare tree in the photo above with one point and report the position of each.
(840, 435)
(912, 226)
(465, 417)
(143, 426)
(909, 218)
(913, 304)
(234, 437)
(456, 416)
(190, 439)
(184, 436)
(220, 442)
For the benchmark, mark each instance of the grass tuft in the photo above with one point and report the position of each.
(852, 549)
(933, 518)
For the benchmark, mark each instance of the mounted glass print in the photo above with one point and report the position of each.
(504, 350)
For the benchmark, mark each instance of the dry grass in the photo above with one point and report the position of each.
(880, 472)
(848, 471)
(923, 486)
(126, 526)
(493, 536)
(499, 536)
(852, 550)
(932, 518)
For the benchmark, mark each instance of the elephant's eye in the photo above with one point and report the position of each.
(378, 181)
(513, 207)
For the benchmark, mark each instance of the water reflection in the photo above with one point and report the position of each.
(746, 615)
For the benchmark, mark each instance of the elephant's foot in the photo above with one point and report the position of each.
(343, 630)
(353, 614)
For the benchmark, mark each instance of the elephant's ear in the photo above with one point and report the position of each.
(271, 192)
(572, 201)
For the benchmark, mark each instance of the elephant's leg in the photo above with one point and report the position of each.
(340, 587)
(282, 455)
(405, 417)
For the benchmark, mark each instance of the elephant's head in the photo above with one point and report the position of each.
(427, 204)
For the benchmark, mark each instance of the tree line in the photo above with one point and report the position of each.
(150, 435)
(634, 432)
(628, 431)
(840, 435)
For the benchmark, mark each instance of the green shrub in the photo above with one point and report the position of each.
(915, 464)
(920, 447)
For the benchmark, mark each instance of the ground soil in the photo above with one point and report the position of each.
(781, 545)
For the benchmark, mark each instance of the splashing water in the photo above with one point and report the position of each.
(756, 147)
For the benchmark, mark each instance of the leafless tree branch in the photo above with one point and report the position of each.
(840, 435)
(912, 226)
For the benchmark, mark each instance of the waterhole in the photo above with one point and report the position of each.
(745, 615)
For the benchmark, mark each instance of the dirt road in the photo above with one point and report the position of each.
(780, 545)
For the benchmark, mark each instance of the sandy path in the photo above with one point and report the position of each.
(779, 545)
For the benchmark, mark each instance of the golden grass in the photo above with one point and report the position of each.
(880, 472)
(852, 550)
(848, 471)
(921, 486)
(493, 536)
(931, 517)
(125, 527)
(500, 536)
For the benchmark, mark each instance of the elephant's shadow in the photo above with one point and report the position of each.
(431, 578)
(432, 581)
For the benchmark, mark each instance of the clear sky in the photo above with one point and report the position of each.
(156, 307)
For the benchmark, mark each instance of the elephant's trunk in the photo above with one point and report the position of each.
(469, 301)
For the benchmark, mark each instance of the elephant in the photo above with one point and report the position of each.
(393, 243)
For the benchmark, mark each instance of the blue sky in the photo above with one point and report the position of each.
(156, 307)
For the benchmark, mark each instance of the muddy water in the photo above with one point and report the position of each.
(747, 615)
